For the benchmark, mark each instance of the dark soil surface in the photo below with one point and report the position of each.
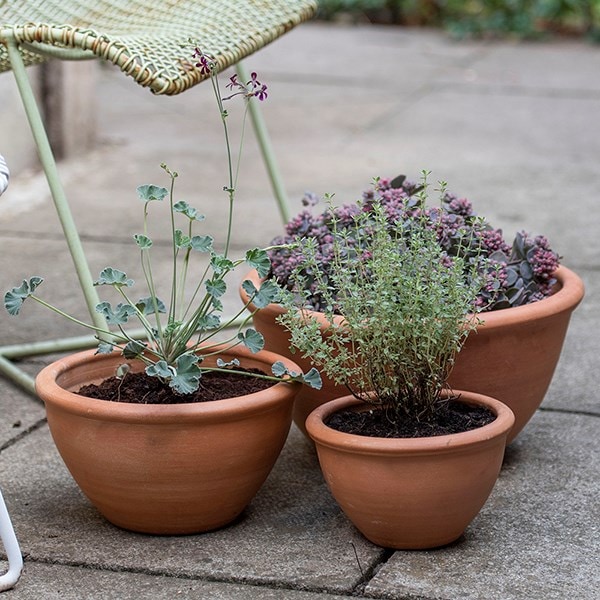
(454, 417)
(139, 388)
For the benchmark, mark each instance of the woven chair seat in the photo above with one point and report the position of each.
(149, 40)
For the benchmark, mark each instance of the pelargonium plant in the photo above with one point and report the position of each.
(179, 334)
(512, 274)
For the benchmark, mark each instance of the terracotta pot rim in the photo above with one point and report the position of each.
(566, 298)
(50, 391)
(324, 435)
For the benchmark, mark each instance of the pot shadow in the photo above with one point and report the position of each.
(512, 456)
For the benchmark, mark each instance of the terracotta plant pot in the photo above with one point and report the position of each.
(166, 469)
(411, 493)
(511, 356)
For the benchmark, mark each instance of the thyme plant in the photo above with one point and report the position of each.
(406, 309)
(180, 334)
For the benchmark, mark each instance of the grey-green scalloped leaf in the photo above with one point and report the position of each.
(13, 299)
(146, 305)
(269, 291)
(259, 259)
(119, 315)
(133, 349)
(222, 364)
(105, 348)
(252, 339)
(189, 211)
(221, 264)
(216, 287)
(147, 193)
(110, 276)
(207, 322)
(181, 240)
(202, 243)
(160, 369)
(143, 241)
(312, 379)
(187, 374)
(278, 369)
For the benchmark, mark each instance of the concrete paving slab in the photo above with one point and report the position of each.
(292, 535)
(20, 415)
(574, 386)
(537, 536)
(563, 67)
(511, 127)
(366, 55)
(509, 156)
(60, 582)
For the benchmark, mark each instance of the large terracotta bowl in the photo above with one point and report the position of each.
(511, 356)
(166, 469)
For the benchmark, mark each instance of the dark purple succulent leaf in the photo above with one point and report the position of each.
(525, 270)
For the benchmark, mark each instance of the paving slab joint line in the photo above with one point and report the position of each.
(259, 584)
(368, 574)
(22, 434)
(567, 411)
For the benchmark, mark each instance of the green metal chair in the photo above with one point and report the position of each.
(149, 41)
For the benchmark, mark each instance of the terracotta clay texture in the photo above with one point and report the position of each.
(412, 493)
(511, 356)
(166, 469)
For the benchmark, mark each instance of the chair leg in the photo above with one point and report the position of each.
(49, 165)
(266, 149)
(11, 545)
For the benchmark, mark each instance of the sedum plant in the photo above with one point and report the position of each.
(509, 274)
(405, 313)
(180, 333)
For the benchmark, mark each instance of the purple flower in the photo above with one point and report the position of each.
(233, 82)
(205, 62)
(253, 88)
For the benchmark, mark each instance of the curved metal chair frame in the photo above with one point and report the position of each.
(149, 41)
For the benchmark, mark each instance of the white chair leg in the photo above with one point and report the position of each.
(11, 546)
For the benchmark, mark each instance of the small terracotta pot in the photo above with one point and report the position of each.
(511, 356)
(411, 493)
(166, 469)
